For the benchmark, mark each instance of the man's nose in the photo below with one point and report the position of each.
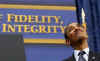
(77, 29)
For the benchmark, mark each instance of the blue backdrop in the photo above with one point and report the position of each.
(47, 52)
(40, 2)
(44, 52)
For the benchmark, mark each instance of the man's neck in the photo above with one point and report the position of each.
(81, 46)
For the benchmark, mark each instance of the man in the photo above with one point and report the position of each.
(76, 37)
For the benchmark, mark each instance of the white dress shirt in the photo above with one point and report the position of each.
(85, 55)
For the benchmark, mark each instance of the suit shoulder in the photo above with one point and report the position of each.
(97, 54)
(68, 59)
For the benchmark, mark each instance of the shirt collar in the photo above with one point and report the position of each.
(86, 50)
(77, 51)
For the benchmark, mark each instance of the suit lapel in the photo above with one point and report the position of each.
(91, 56)
(73, 58)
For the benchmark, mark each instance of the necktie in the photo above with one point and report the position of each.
(81, 58)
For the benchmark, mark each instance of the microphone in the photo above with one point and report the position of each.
(93, 58)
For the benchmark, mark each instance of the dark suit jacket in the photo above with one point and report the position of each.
(92, 57)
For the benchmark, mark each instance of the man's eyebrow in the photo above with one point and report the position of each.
(70, 28)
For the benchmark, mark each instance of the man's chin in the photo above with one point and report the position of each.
(82, 37)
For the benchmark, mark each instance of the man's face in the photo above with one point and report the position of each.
(76, 32)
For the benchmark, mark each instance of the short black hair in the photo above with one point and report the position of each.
(65, 33)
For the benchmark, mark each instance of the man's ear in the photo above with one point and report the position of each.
(68, 42)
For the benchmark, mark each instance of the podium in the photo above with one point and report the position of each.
(11, 47)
